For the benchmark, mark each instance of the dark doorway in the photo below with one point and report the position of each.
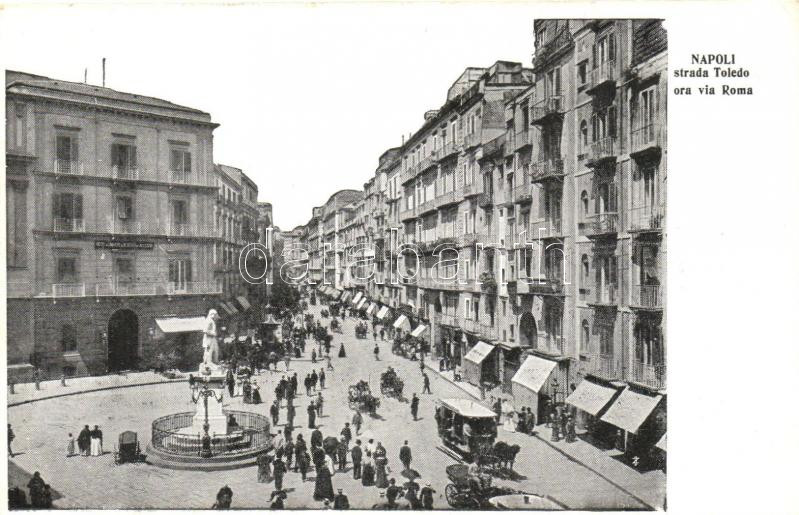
(528, 331)
(123, 340)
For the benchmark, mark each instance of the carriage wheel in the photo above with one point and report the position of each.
(451, 494)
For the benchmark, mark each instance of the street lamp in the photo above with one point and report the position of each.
(206, 392)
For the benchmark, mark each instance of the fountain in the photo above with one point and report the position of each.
(212, 437)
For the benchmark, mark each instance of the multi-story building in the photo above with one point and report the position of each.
(535, 200)
(124, 240)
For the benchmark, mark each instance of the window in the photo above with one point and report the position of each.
(19, 125)
(647, 112)
(582, 72)
(180, 160)
(584, 202)
(125, 208)
(69, 338)
(123, 157)
(67, 207)
(180, 273)
(16, 224)
(66, 270)
(180, 213)
(66, 153)
(552, 83)
(585, 271)
(467, 309)
(124, 271)
(585, 341)
(540, 36)
(584, 134)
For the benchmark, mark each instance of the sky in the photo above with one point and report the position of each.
(307, 96)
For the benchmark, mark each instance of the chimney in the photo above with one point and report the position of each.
(103, 71)
(403, 139)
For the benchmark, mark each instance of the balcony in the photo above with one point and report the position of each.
(604, 366)
(547, 228)
(647, 218)
(428, 162)
(71, 225)
(651, 375)
(646, 141)
(522, 139)
(523, 193)
(548, 285)
(473, 140)
(546, 170)
(648, 297)
(64, 167)
(408, 215)
(602, 224)
(547, 109)
(69, 290)
(449, 148)
(427, 207)
(190, 230)
(446, 199)
(125, 173)
(125, 289)
(409, 174)
(601, 76)
(547, 52)
(486, 199)
(602, 151)
(192, 288)
(605, 296)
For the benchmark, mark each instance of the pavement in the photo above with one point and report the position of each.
(578, 475)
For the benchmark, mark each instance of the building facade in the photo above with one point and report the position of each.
(110, 223)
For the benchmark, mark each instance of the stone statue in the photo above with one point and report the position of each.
(210, 344)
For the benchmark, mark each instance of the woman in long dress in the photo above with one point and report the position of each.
(509, 417)
(368, 472)
(323, 488)
(256, 393)
(341, 352)
(381, 463)
(239, 387)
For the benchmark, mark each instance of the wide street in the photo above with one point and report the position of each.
(84, 482)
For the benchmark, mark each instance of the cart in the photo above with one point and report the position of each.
(467, 427)
(390, 384)
(361, 398)
(128, 450)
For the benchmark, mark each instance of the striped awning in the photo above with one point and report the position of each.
(591, 397)
(361, 304)
(479, 352)
(346, 296)
(419, 330)
(382, 313)
(244, 302)
(631, 409)
(534, 372)
(371, 309)
(402, 323)
(181, 324)
(357, 298)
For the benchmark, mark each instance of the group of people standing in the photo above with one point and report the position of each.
(89, 442)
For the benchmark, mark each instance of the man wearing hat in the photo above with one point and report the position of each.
(340, 502)
(426, 496)
(382, 504)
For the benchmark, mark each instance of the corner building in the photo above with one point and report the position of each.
(110, 204)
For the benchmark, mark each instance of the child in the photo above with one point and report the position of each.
(71, 446)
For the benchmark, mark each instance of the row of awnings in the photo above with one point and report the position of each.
(171, 325)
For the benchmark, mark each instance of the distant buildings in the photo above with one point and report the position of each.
(120, 226)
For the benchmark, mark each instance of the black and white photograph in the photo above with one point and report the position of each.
(339, 257)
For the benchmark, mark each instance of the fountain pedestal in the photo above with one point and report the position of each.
(217, 419)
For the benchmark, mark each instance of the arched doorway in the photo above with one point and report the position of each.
(123, 340)
(528, 331)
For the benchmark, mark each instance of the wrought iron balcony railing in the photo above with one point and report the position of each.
(547, 169)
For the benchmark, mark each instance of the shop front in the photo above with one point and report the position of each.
(532, 384)
(640, 418)
(591, 399)
(480, 364)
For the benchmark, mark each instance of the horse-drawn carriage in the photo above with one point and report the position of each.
(335, 326)
(361, 398)
(390, 384)
(360, 330)
(324, 313)
(471, 490)
(128, 450)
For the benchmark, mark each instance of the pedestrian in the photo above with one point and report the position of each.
(426, 388)
(316, 439)
(294, 383)
(357, 455)
(530, 422)
(307, 383)
(319, 404)
(377, 352)
(346, 433)
(415, 407)
(322, 378)
(374, 333)
(96, 441)
(314, 380)
(224, 498)
(357, 421)
(47, 496)
(341, 502)
(36, 489)
(277, 498)
(264, 463)
(405, 456)
(299, 447)
(70, 445)
(287, 360)
(412, 494)
(313, 355)
(381, 463)
(256, 393)
(274, 411)
(342, 353)
(329, 361)
(290, 414)
(288, 451)
(571, 432)
(304, 461)
(311, 415)
(279, 472)
(341, 452)
(427, 496)
(555, 423)
(10, 439)
(382, 334)
(324, 481)
(392, 493)
(84, 440)
(368, 471)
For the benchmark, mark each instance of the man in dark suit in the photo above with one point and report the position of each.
(340, 502)
(405, 455)
(357, 455)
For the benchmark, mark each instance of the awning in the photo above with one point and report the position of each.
(371, 309)
(382, 313)
(224, 309)
(233, 309)
(346, 296)
(229, 339)
(534, 372)
(402, 323)
(479, 352)
(509, 345)
(662, 443)
(361, 304)
(336, 294)
(357, 298)
(631, 409)
(418, 331)
(468, 408)
(591, 397)
(244, 302)
(180, 324)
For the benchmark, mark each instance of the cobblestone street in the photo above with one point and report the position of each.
(589, 480)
